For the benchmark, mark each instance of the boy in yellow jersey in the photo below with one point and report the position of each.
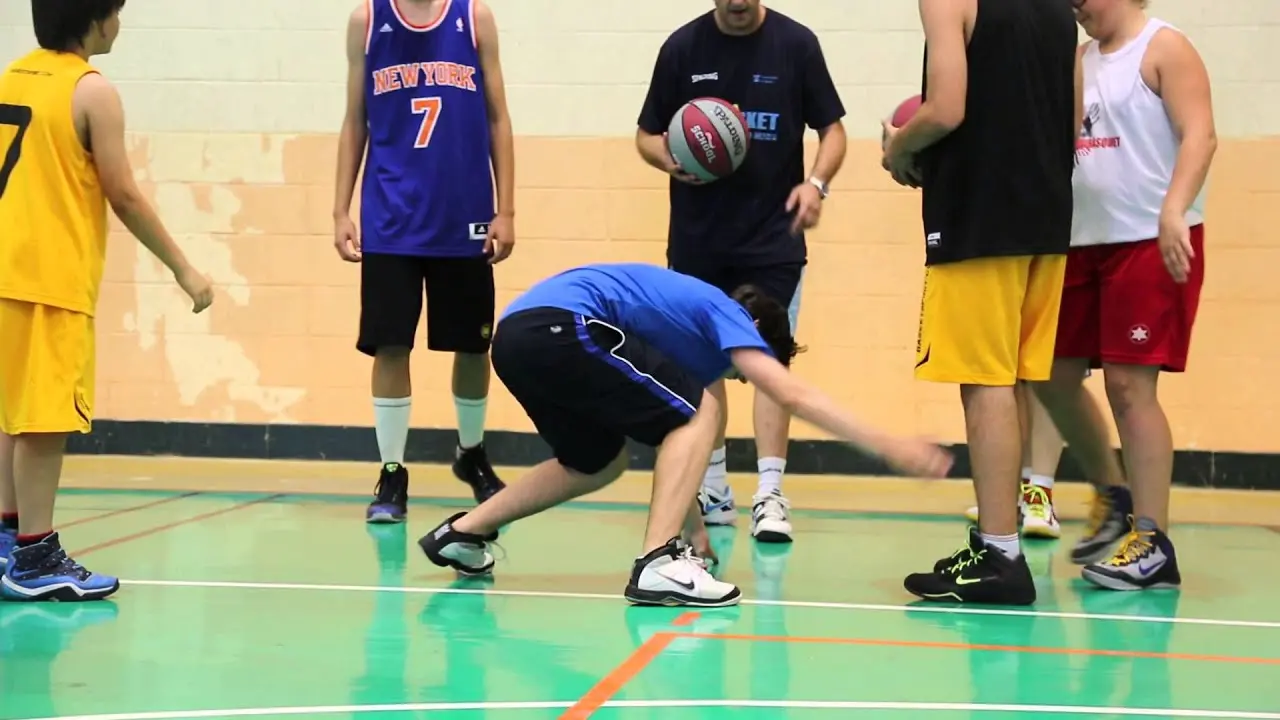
(62, 160)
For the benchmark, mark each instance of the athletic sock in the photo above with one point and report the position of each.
(1008, 545)
(717, 475)
(471, 414)
(1027, 473)
(28, 540)
(9, 521)
(770, 469)
(391, 424)
(1041, 481)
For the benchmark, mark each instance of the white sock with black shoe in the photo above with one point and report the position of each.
(770, 511)
(391, 425)
(672, 575)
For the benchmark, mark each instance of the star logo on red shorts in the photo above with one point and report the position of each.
(1139, 334)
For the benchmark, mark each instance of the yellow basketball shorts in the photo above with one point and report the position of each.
(46, 369)
(990, 321)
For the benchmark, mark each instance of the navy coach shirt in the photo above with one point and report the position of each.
(778, 77)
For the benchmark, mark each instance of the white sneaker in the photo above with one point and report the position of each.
(672, 575)
(1039, 519)
(717, 505)
(770, 518)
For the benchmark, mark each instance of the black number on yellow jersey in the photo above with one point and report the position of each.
(19, 116)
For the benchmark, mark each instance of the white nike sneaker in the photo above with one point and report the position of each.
(672, 575)
(770, 518)
(717, 505)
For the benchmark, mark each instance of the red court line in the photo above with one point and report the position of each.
(996, 648)
(186, 521)
(127, 510)
(610, 684)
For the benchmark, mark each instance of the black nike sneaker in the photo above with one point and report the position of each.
(472, 467)
(977, 573)
(467, 553)
(390, 496)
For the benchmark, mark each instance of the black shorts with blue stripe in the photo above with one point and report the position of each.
(588, 386)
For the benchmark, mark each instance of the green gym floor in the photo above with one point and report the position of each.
(263, 605)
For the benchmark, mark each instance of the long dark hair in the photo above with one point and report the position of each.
(771, 320)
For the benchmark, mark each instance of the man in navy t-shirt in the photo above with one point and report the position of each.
(748, 228)
(602, 353)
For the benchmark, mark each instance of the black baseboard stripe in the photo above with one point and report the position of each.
(1196, 468)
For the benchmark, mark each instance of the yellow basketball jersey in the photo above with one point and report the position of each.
(53, 216)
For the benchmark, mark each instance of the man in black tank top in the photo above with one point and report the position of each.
(992, 148)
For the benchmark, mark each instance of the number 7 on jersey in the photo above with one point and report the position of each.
(429, 109)
(19, 117)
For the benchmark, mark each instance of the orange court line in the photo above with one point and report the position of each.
(995, 648)
(636, 662)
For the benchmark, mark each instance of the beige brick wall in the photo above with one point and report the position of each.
(233, 107)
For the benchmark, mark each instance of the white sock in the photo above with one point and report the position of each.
(1006, 544)
(770, 469)
(1042, 481)
(470, 421)
(717, 476)
(391, 424)
(1027, 473)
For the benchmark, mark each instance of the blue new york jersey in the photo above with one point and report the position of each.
(428, 187)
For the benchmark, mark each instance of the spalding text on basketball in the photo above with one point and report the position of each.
(726, 118)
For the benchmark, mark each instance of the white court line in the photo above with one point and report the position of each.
(784, 704)
(1260, 624)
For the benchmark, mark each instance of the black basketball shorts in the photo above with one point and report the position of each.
(587, 386)
(781, 281)
(460, 303)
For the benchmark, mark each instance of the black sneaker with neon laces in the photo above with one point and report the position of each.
(1145, 560)
(977, 573)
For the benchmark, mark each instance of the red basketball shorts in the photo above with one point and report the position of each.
(1121, 306)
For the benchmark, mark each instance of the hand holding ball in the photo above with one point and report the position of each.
(903, 169)
(708, 139)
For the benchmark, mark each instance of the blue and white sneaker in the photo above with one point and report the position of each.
(1145, 560)
(391, 496)
(717, 505)
(8, 540)
(44, 572)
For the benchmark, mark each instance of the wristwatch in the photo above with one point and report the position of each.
(823, 190)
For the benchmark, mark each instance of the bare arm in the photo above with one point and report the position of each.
(98, 102)
(355, 133)
(653, 150)
(500, 132)
(812, 405)
(832, 146)
(948, 78)
(1184, 87)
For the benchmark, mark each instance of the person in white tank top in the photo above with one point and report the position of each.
(1133, 278)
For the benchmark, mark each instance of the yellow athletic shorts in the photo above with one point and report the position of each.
(46, 369)
(990, 321)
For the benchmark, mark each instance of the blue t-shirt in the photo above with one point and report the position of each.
(693, 324)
